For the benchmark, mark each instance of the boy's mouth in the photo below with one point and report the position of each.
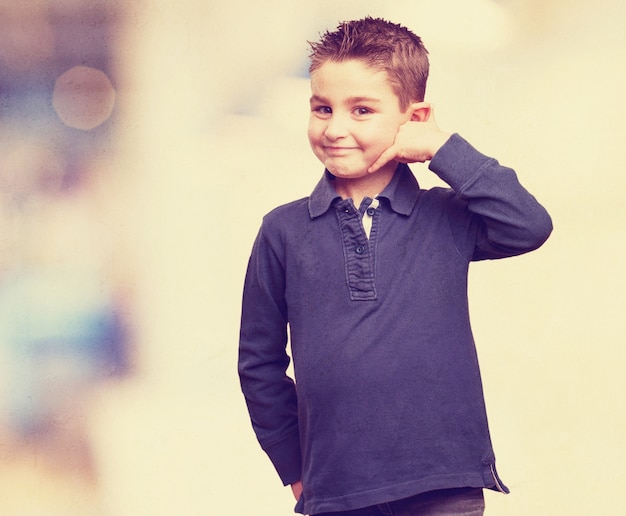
(338, 151)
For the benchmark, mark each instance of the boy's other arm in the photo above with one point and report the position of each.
(269, 392)
(296, 488)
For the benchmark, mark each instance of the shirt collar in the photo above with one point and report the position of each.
(323, 195)
(401, 192)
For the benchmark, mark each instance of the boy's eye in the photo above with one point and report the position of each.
(361, 111)
(322, 110)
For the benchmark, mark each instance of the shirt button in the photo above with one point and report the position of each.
(371, 211)
(360, 249)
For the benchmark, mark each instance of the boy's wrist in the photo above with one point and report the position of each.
(439, 141)
(296, 489)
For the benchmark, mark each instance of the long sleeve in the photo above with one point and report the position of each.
(510, 220)
(270, 394)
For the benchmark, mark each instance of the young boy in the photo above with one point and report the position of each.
(369, 274)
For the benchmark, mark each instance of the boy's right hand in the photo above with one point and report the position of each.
(296, 489)
(416, 141)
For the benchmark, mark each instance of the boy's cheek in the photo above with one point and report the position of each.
(313, 132)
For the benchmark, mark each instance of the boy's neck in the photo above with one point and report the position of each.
(368, 186)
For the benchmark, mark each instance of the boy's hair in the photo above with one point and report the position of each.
(382, 45)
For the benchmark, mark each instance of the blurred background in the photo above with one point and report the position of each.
(140, 145)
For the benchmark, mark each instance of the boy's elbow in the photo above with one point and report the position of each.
(521, 238)
(537, 230)
(542, 228)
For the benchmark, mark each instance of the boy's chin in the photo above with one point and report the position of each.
(343, 172)
(348, 174)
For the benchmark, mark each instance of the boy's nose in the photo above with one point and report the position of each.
(336, 128)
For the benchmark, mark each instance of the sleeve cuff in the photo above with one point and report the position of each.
(457, 161)
(286, 458)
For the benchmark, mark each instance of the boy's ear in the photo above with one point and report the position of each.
(420, 111)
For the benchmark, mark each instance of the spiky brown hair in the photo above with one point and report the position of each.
(383, 45)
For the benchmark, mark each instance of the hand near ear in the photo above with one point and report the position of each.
(416, 141)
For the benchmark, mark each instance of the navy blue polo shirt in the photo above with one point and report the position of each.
(387, 400)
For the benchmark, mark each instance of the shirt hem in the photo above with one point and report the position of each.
(392, 493)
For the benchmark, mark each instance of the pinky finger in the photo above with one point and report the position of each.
(382, 160)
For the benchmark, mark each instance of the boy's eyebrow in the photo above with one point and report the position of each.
(349, 100)
(356, 100)
(317, 98)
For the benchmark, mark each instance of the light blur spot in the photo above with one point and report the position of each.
(83, 97)
(469, 25)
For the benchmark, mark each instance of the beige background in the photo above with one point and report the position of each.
(213, 136)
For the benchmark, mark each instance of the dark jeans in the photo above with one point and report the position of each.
(447, 502)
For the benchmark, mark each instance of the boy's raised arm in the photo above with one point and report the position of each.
(513, 222)
(508, 219)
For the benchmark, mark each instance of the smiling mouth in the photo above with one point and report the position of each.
(339, 150)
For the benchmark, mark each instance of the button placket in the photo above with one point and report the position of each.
(368, 215)
(359, 266)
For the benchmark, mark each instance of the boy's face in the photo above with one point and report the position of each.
(355, 116)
